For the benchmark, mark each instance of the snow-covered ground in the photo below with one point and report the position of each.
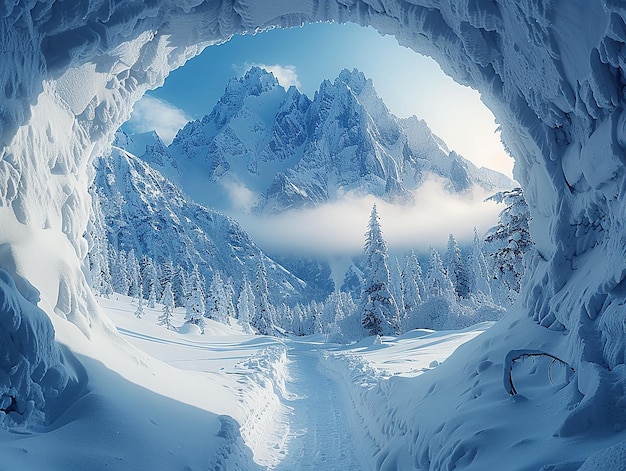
(183, 400)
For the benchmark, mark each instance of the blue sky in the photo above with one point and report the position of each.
(410, 84)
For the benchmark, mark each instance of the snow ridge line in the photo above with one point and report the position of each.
(263, 386)
(372, 414)
(232, 455)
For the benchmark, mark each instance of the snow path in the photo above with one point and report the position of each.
(319, 430)
(299, 403)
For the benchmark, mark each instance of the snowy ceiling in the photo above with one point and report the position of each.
(551, 71)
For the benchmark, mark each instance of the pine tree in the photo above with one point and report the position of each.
(217, 305)
(98, 255)
(480, 273)
(229, 293)
(284, 317)
(311, 319)
(195, 306)
(150, 280)
(297, 321)
(333, 311)
(380, 313)
(165, 319)
(152, 297)
(263, 317)
(412, 284)
(181, 286)
(166, 275)
(245, 306)
(119, 272)
(397, 283)
(438, 284)
(509, 241)
(139, 311)
(344, 311)
(132, 269)
(456, 269)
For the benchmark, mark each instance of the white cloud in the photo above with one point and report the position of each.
(338, 228)
(152, 113)
(240, 197)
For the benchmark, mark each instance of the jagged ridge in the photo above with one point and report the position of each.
(291, 152)
(145, 212)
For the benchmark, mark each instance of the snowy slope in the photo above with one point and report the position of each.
(144, 212)
(286, 151)
(282, 397)
(136, 412)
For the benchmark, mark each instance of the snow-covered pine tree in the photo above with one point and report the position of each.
(317, 309)
(297, 322)
(119, 272)
(98, 256)
(195, 306)
(337, 307)
(150, 280)
(165, 319)
(509, 241)
(263, 317)
(380, 312)
(332, 310)
(397, 281)
(152, 297)
(438, 284)
(479, 277)
(229, 292)
(139, 311)
(283, 316)
(181, 286)
(216, 298)
(166, 274)
(311, 319)
(245, 306)
(134, 279)
(456, 268)
(412, 284)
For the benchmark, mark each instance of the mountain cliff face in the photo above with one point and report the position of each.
(286, 151)
(144, 212)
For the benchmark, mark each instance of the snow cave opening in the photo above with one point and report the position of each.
(559, 95)
(451, 99)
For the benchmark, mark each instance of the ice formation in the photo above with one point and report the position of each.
(552, 72)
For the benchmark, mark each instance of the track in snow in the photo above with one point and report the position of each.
(319, 429)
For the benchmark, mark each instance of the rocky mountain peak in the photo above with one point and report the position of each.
(292, 152)
(355, 80)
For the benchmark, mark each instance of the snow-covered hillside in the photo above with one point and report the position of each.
(137, 209)
(288, 401)
(285, 151)
(552, 72)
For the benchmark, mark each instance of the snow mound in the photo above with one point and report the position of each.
(35, 382)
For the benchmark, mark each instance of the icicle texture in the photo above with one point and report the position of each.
(552, 72)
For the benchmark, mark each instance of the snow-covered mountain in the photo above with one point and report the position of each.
(138, 209)
(274, 149)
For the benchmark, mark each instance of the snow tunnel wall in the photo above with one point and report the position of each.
(552, 71)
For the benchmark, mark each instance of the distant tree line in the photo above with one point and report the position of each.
(454, 290)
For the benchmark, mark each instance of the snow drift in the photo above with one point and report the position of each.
(553, 73)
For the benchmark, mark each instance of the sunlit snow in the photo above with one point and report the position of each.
(552, 73)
